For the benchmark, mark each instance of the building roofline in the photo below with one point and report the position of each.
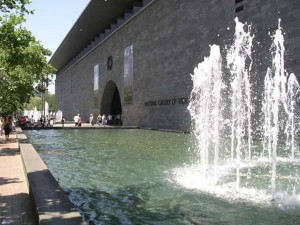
(99, 18)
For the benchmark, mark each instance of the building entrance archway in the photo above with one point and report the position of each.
(111, 102)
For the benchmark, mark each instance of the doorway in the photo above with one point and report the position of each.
(111, 102)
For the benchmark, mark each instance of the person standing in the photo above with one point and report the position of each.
(51, 124)
(62, 122)
(32, 121)
(104, 122)
(42, 122)
(91, 119)
(99, 119)
(48, 121)
(79, 120)
(109, 119)
(76, 120)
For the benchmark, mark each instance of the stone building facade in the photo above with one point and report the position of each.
(140, 67)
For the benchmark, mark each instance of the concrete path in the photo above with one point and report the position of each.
(15, 202)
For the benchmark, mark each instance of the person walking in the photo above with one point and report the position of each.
(7, 127)
(2, 123)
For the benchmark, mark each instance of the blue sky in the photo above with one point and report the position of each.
(52, 20)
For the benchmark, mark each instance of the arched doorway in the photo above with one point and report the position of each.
(111, 102)
(116, 108)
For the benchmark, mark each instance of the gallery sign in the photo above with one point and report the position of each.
(167, 102)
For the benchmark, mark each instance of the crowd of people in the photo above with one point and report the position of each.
(46, 121)
(101, 119)
(7, 123)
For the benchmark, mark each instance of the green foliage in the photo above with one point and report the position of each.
(50, 98)
(36, 102)
(18, 6)
(23, 60)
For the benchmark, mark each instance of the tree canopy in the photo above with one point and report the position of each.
(36, 102)
(23, 62)
(18, 6)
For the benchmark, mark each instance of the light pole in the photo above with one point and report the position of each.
(44, 90)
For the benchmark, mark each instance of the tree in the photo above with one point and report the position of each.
(23, 60)
(19, 6)
(50, 98)
(36, 102)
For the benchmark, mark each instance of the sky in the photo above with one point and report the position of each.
(52, 20)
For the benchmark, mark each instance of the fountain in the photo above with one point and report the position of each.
(124, 176)
(46, 109)
(35, 114)
(279, 106)
(58, 116)
(207, 93)
(279, 121)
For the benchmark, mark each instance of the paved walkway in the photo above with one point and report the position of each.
(15, 203)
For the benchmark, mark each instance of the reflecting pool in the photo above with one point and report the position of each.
(127, 177)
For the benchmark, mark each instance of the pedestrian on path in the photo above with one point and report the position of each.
(2, 123)
(8, 127)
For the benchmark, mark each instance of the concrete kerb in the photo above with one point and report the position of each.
(51, 203)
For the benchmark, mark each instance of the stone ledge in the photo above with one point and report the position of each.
(52, 205)
(21, 137)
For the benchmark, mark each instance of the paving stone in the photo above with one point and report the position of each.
(15, 202)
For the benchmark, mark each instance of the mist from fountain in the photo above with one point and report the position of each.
(207, 93)
(233, 170)
(58, 116)
(279, 102)
(35, 114)
(239, 61)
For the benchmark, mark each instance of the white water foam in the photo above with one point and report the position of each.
(233, 175)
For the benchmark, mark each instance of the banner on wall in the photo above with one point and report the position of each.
(96, 77)
(96, 85)
(128, 74)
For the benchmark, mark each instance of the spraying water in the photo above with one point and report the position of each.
(293, 90)
(252, 175)
(239, 61)
(58, 115)
(278, 105)
(206, 105)
(35, 114)
(205, 108)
